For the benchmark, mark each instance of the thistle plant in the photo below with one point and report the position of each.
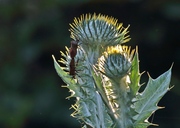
(103, 75)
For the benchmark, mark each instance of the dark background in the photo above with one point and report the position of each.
(32, 30)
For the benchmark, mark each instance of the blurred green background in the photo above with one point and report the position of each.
(32, 30)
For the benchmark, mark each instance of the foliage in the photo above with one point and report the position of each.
(107, 78)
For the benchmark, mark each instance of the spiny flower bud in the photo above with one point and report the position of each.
(93, 29)
(96, 32)
(116, 61)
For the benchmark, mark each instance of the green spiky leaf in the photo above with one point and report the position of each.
(64, 75)
(147, 101)
(72, 85)
(135, 75)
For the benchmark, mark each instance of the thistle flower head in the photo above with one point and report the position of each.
(96, 32)
(116, 61)
(98, 29)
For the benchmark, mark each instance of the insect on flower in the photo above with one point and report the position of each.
(72, 53)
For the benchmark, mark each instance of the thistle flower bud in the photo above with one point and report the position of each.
(116, 61)
(96, 32)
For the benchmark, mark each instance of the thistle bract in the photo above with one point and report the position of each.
(106, 77)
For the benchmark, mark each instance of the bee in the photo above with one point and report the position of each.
(72, 53)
